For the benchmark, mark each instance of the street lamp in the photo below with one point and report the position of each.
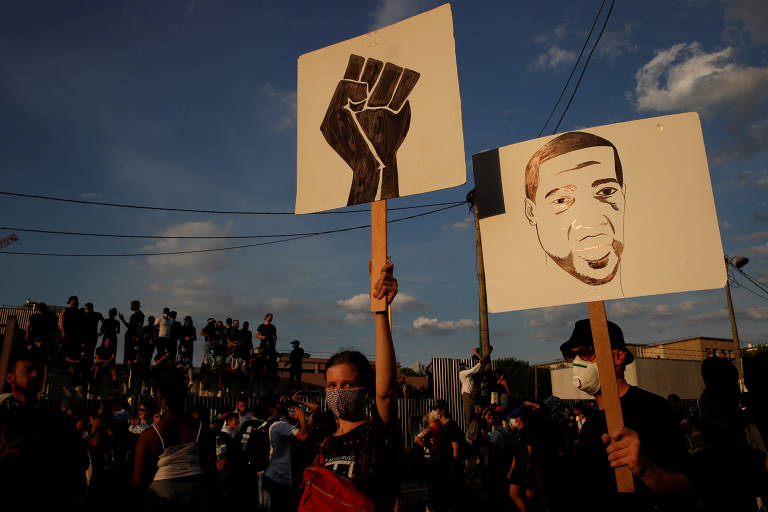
(738, 262)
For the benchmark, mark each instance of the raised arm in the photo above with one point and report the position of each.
(386, 286)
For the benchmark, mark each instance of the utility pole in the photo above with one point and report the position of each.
(485, 344)
(738, 263)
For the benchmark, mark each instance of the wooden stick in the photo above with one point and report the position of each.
(378, 249)
(608, 386)
(10, 331)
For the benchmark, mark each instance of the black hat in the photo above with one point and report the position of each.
(439, 405)
(582, 337)
(295, 343)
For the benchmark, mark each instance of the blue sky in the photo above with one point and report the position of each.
(193, 105)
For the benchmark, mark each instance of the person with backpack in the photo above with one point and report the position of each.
(356, 466)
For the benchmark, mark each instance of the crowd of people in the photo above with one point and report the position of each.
(231, 360)
(289, 453)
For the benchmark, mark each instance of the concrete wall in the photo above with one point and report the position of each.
(660, 376)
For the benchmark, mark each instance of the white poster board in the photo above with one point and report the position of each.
(379, 116)
(613, 211)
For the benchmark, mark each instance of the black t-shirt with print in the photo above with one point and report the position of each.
(661, 440)
(367, 456)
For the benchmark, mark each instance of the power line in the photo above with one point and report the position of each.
(575, 65)
(752, 280)
(589, 57)
(229, 248)
(182, 237)
(739, 285)
(192, 210)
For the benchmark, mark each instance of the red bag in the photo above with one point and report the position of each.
(325, 491)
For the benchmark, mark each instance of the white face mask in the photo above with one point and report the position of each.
(585, 376)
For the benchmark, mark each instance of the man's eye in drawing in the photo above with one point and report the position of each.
(606, 191)
(562, 202)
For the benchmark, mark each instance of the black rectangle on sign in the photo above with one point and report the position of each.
(490, 196)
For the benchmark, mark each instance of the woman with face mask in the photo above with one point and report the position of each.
(363, 447)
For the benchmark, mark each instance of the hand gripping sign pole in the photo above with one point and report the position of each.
(609, 387)
(378, 251)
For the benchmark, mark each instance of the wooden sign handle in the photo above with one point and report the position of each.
(5, 355)
(609, 387)
(378, 250)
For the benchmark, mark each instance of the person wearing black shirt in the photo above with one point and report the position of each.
(132, 329)
(110, 326)
(91, 320)
(175, 335)
(296, 363)
(267, 333)
(42, 460)
(651, 443)
(105, 360)
(444, 439)
(520, 474)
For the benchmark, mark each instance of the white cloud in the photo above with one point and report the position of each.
(461, 225)
(554, 57)
(709, 316)
(757, 250)
(404, 301)
(684, 77)
(388, 12)
(427, 326)
(755, 313)
(757, 235)
(356, 319)
(633, 310)
(554, 323)
(615, 43)
(359, 302)
(198, 262)
(286, 101)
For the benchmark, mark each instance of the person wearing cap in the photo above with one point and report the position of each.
(295, 362)
(444, 439)
(650, 444)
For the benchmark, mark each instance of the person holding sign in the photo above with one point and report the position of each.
(651, 444)
(360, 457)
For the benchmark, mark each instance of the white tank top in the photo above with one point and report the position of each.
(180, 460)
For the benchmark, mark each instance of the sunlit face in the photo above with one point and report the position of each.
(579, 213)
(26, 378)
(342, 376)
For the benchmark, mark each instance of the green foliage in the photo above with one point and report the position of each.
(519, 376)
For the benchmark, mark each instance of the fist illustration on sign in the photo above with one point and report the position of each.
(367, 121)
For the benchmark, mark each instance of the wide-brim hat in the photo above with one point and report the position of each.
(582, 337)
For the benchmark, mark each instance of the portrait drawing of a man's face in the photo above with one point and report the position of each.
(575, 197)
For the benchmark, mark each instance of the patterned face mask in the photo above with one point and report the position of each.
(347, 404)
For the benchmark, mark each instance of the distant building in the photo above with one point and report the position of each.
(661, 368)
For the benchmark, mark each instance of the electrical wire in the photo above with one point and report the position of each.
(573, 70)
(192, 210)
(180, 237)
(229, 248)
(753, 281)
(739, 285)
(589, 57)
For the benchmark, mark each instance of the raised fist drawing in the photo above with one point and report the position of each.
(367, 121)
